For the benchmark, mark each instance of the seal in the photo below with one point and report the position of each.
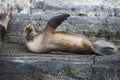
(4, 21)
(49, 40)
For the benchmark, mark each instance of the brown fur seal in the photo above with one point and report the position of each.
(50, 40)
(4, 20)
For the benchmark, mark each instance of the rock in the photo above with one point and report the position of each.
(46, 67)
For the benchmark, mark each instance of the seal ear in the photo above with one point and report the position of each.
(54, 22)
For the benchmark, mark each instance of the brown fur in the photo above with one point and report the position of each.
(4, 21)
(50, 40)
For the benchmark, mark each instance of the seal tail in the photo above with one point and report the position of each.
(54, 22)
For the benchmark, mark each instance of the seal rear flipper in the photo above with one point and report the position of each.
(105, 47)
(107, 50)
(54, 22)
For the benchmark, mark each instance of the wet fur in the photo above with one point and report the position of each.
(51, 41)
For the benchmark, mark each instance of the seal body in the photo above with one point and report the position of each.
(57, 41)
(4, 21)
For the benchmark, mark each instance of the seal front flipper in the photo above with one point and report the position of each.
(54, 22)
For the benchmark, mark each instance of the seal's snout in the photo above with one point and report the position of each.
(29, 28)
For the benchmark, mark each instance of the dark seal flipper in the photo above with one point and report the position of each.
(107, 50)
(54, 22)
